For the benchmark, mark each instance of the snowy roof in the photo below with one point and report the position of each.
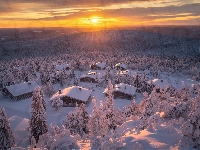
(101, 64)
(159, 82)
(22, 88)
(131, 72)
(62, 66)
(92, 75)
(75, 92)
(124, 88)
(121, 65)
(18, 67)
(128, 72)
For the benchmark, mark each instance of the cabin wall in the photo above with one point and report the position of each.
(71, 102)
(23, 96)
(87, 79)
(95, 67)
(6, 93)
(118, 94)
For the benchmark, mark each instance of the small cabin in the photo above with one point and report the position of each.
(62, 66)
(120, 66)
(123, 91)
(127, 73)
(73, 95)
(91, 77)
(98, 66)
(20, 91)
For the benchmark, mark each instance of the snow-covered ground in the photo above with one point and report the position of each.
(19, 114)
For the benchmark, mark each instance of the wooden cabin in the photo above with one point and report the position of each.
(73, 95)
(120, 66)
(98, 66)
(123, 91)
(20, 91)
(127, 73)
(91, 77)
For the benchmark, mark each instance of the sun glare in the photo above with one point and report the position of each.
(94, 20)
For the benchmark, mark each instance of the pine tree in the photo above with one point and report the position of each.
(191, 128)
(152, 105)
(108, 106)
(49, 88)
(119, 117)
(77, 121)
(59, 139)
(137, 81)
(98, 124)
(6, 135)
(56, 103)
(131, 110)
(38, 123)
(43, 100)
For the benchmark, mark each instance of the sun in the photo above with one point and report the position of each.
(94, 20)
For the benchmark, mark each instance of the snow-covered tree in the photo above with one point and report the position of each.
(108, 106)
(56, 103)
(174, 107)
(137, 81)
(60, 139)
(43, 100)
(113, 139)
(48, 89)
(76, 81)
(106, 76)
(154, 122)
(152, 105)
(62, 77)
(38, 123)
(143, 103)
(119, 117)
(6, 135)
(77, 121)
(191, 128)
(175, 110)
(131, 110)
(98, 125)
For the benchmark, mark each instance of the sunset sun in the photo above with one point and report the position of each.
(94, 20)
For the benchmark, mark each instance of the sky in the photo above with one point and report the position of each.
(98, 13)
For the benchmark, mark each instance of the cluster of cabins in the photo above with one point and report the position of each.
(75, 94)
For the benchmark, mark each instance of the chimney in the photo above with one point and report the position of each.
(59, 91)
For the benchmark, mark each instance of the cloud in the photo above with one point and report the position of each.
(55, 10)
(71, 3)
(141, 12)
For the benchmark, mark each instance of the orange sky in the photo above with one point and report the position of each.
(98, 13)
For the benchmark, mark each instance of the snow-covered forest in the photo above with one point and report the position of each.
(145, 96)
